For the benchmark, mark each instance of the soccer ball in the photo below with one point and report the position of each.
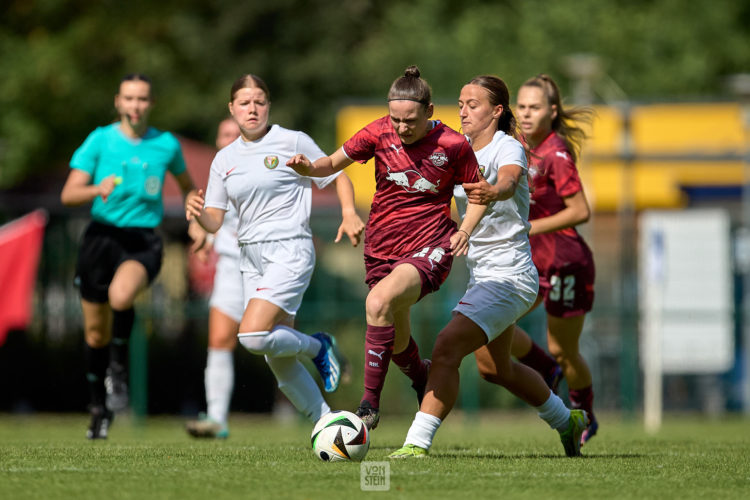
(340, 436)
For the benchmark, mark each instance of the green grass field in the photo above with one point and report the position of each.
(500, 455)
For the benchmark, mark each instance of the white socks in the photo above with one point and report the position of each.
(424, 426)
(299, 387)
(282, 341)
(281, 346)
(554, 412)
(422, 430)
(219, 381)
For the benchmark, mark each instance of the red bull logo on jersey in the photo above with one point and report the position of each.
(412, 181)
(439, 159)
(271, 162)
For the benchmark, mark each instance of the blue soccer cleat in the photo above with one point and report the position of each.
(327, 361)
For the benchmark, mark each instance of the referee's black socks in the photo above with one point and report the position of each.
(122, 326)
(97, 359)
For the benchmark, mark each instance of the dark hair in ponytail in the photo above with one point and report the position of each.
(411, 87)
(499, 95)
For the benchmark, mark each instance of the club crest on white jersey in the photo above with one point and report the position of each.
(271, 162)
(412, 181)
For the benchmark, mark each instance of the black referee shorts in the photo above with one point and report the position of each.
(104, 247)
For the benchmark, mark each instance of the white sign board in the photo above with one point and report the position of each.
(686, 290)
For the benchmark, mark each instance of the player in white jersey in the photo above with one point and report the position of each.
(225, 310)
(276, 250)
(503, 279)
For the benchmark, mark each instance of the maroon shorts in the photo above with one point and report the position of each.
(568, 290)
(433, 265)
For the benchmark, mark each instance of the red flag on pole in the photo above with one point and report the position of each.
(20, 247)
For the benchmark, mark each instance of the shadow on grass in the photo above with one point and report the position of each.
(492, 455)
(515, 456)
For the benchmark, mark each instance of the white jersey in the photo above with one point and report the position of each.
(499, 246)
(272, 201)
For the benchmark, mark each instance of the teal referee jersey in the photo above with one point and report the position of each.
(139, 166)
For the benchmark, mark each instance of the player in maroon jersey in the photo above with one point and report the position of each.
(564, 260)
(410, 238)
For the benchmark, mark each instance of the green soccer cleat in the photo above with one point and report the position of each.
(571, 437)
(409, 451)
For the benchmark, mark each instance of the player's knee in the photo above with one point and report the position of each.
(120, 299)
(377, 307)
(493, 377)
(561, 356)
(444, 356)
(97, 337)
(493, 373)
(256, 342)
(221, 339)
(223, 343)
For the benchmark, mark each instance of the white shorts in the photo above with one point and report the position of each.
(495, 305)
(277, 271)
(227, 292)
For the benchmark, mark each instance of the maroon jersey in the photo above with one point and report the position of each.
(414, 185)
(554, 176)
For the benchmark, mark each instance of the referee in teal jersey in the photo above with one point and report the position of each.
(121, 168)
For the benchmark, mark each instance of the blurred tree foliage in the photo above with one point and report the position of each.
(61, 61)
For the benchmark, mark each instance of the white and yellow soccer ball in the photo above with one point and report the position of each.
(340, 436)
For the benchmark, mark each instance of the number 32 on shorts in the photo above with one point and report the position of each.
(562, 288)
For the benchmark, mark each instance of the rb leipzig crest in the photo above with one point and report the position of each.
(271, 162)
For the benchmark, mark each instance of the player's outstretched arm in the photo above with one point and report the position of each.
(482, 191)
(322, 167)
(351, 224)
